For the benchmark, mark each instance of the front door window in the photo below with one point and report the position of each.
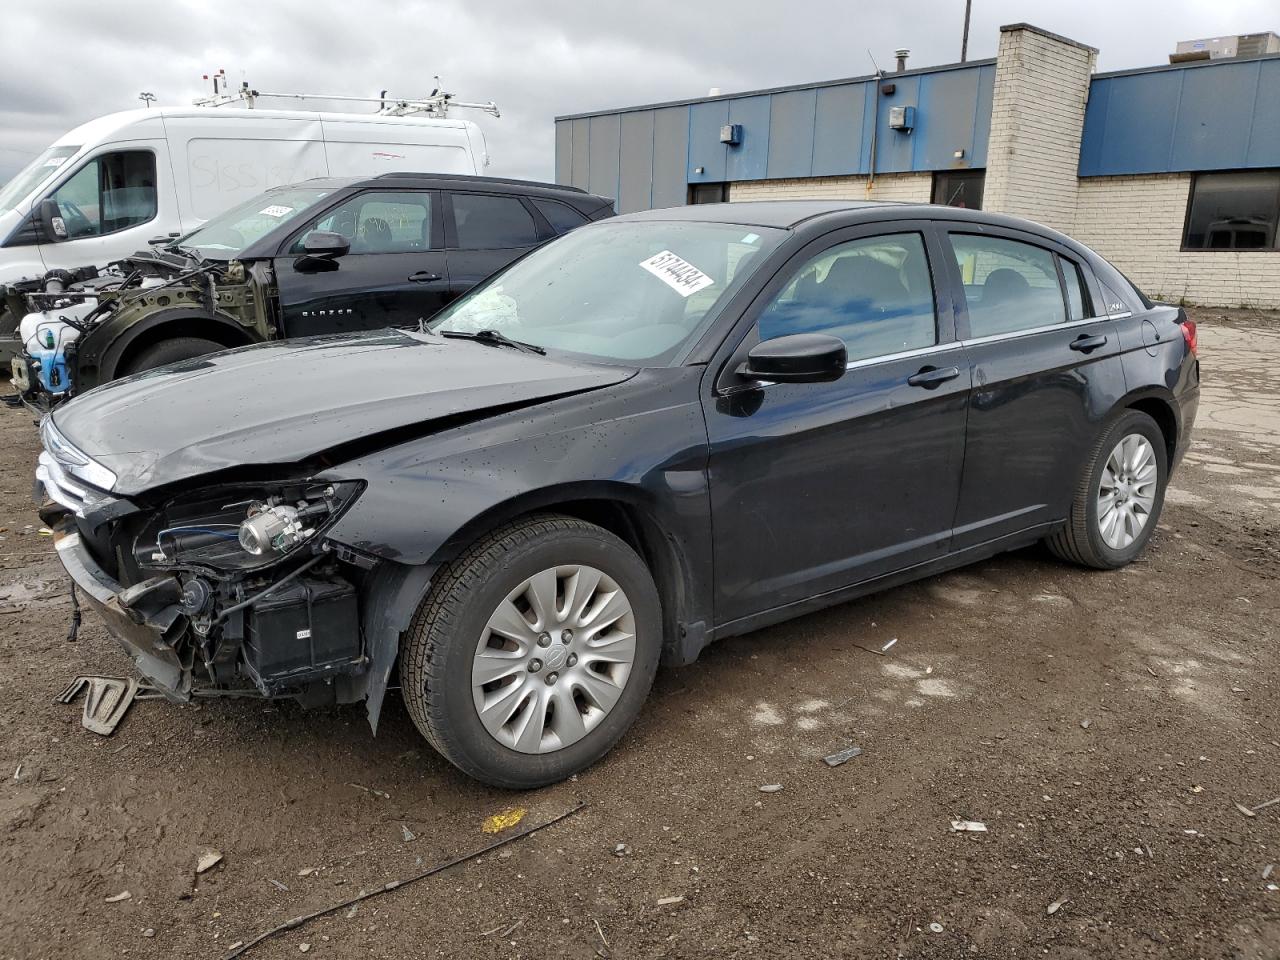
(111, 192)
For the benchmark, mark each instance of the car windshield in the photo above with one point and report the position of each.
(34, 174)
(227, 234)
(629, 291)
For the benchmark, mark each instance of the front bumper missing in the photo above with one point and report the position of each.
(143, 619)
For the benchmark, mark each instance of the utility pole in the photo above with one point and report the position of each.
(147, 98)
(964, 41)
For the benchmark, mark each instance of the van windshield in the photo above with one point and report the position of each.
(227, 235)
(33, 174)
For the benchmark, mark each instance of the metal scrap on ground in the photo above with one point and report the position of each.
(239, 948)
(842, 756)
(107, 701)
(968, 826)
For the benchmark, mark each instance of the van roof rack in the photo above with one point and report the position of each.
(410, 175)
(435, 104)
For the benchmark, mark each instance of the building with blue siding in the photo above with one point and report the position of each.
(1172, 172)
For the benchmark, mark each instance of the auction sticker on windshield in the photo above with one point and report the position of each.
(677, 273)
(276, 210)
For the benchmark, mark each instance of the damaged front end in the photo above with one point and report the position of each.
(230, 590)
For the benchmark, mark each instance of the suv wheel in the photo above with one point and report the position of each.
(1119, 496)
(170, 351)
(533, 652)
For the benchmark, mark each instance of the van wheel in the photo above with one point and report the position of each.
(1119, 496)
(172, 351)
(533, 652)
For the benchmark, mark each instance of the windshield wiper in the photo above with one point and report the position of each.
(493, 337)
(190, 252)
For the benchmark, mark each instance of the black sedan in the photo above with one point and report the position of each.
(655, 432)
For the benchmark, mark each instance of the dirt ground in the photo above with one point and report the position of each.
(1102, 726)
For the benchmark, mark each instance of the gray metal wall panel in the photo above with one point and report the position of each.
(894, 148)
(791, 133)
(1264, 144)
(564, 151)
(670, 156)
(604, 155)
(946, 120)
(750, 158)
(1215, 117)
(581, 143)
(706, 152)
(838, 130)
(982, 114)
(635, 167)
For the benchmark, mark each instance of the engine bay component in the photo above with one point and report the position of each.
(275, 526)
(301, 632)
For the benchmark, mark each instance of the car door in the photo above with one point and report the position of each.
(395, 274)
(820, 486)
(1046, 373)
(484, 233)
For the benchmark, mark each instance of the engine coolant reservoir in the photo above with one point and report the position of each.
(45, 337)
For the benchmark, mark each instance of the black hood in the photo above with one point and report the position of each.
(284, 402)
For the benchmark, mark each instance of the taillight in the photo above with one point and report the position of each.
(1189, 335)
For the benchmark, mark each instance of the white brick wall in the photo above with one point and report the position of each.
(1037, 116)
(1137, 223)
(911, 187)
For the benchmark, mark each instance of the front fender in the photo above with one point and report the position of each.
(103, 348)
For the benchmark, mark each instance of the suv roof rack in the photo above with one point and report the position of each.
(466, 177)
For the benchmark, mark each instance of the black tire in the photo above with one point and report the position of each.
(170, 351)
(437, 651)
(1080, 540)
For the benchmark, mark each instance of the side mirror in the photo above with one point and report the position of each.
(325, 245)
(55, 228)
(799, 358)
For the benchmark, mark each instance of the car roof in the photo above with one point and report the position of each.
(454, 181)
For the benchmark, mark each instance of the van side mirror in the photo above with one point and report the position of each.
(798, 358)
(55, 228)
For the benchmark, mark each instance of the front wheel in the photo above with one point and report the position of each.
(1119, 496)
(174, 350)
(533, 652)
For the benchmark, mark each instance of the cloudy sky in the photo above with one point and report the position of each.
(67, 61)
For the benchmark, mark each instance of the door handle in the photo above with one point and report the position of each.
(423, 276)
(932, 377)
(1084, 343)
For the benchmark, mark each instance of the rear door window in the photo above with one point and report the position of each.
(485, 221)
(1008, 285)
(561, 216)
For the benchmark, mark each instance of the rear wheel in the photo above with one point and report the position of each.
(172, 351)
(1119, 496)
(533, 652)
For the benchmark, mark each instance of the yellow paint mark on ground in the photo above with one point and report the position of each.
(503, 821)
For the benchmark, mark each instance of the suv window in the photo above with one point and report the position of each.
(1078, 301)
(488, 222)
(561, 216)
(1008, 285)
(875, 294)
(378, 222)
(111, 192)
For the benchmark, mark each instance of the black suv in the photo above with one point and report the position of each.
(323, 256)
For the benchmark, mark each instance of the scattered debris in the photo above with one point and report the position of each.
(208, 860)
(503, 821)
(1245, 810)
(119, 897)
(46, 532)
(351, 913)
(376, 793)
(668, 901)
(407, 833)
(889, 644)
(968, 826)
(771, 788)
(239, 948)
(600, 933)
(1086, 723)
(511, 929)
(1266, 803)
(842, 756)
(1056, 906)
(17, 774)
(278, 885)
(149, 932)
(106, 703)
(308, 871)
(622, 850)
(936, 927)
(1266, 871)
(304, 947)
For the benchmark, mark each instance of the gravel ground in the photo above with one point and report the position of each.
(1102, 725)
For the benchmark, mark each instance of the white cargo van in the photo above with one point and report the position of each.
(118, 181)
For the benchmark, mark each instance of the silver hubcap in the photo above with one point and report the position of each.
(1127, 493)
(553, 659)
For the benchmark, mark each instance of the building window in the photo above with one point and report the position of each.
(708, 193)
(959, 188)
(1233, 211)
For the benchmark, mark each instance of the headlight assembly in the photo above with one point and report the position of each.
(241, 527)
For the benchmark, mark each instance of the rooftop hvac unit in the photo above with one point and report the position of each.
(1218, 48)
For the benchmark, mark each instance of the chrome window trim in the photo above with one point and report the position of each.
(1031, 331)
(902, 355)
